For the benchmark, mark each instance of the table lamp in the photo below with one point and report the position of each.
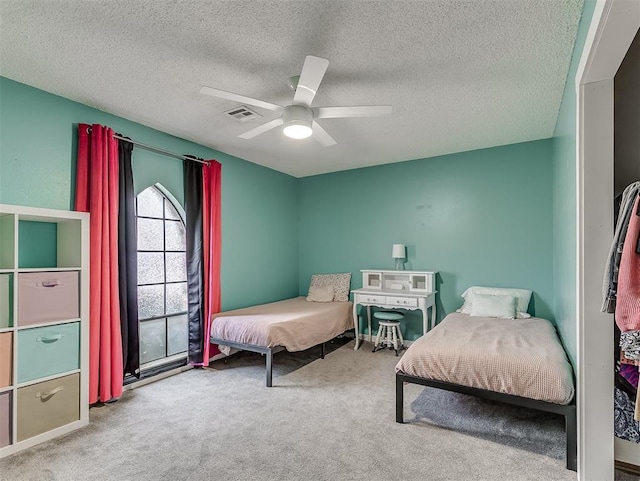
(398, 253)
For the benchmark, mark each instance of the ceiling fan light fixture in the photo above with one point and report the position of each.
(297, 122)
(297, 131)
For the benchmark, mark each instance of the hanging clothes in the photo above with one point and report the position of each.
(627, 290)
(609, 285)
(630, 344)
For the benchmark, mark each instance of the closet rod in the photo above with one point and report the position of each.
(157, 150)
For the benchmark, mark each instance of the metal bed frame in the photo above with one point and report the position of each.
(568, 411)
(266, 351)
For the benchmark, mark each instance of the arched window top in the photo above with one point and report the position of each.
(157, 202)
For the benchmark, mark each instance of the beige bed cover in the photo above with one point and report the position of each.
(523, 357)
(294, 323)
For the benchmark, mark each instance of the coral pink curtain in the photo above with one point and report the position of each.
(97, 193)
(212, 247)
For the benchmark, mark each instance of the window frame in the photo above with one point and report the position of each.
(167, 197)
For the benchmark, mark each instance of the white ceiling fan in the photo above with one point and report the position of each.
(299, 118)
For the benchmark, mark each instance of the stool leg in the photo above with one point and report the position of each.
(394, 330)
(401, 338)
(375, 346)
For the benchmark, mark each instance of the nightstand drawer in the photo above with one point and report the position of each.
(403, 301)
(5, 419)
(366, 298)
(48, 405)
(6, 358)
(47, 296)
(43, 351)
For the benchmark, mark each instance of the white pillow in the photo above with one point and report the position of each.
(320, 294)
(493, 305)
(523, 296)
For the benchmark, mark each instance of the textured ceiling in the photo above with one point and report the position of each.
(460, 75)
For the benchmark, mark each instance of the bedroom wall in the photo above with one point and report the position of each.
(38, 134)
(564, 199)
(627, 119)
(479, 218)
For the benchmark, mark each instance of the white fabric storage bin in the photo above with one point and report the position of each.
(47, 296)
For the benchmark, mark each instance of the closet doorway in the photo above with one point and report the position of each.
(614, 25)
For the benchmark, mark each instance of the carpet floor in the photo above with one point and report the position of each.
(324, 419)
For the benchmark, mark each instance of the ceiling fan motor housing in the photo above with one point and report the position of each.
(298, 114)
(297, 117)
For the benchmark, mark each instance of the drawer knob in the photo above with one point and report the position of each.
(45, 396)
(49, 339)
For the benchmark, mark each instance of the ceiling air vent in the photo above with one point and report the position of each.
(242, 114)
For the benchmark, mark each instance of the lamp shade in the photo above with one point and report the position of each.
(398, 251)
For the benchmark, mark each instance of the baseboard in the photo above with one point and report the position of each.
(627, 455)
(157, 377)
(628, 468)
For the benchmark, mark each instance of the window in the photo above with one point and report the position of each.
(162, 279)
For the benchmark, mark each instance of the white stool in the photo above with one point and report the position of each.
(388, 331)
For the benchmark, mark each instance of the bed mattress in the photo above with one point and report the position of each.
(522, 357)
(295, 324)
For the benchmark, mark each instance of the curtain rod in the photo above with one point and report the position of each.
(157, 150)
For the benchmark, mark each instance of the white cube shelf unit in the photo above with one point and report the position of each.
(409, 281)
(44, 325)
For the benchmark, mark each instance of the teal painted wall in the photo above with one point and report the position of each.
(38, 133)
(479, 218)
(564, 199)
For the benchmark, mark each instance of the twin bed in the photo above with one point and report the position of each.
(517, 360)
(293, 324)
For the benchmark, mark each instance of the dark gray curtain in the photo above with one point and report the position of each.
(128, 264)
(195, 268)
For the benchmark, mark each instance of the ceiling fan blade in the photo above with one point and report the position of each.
(321, 135)
(223, 94)
(312, 72)
(346, 112)
(250, 134)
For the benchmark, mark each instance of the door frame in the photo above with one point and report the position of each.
(613, 27)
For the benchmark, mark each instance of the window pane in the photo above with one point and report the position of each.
(170, 211)
(151, 301)
(150, 203)
(150, 235)
(176, 266)
(177, 335)
(176, 297)
(151, 267)
(175, 236)
(153, 343)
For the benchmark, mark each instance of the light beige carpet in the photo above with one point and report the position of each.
(330, 419)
